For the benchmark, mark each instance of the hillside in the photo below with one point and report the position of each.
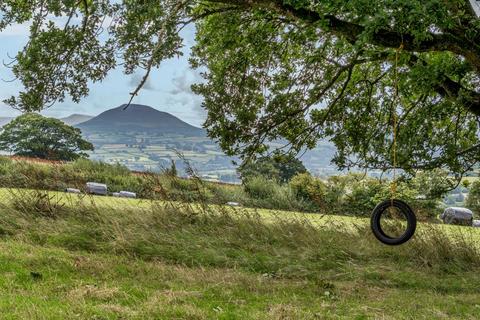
(145, 139)
(139, 118)
(71, 120)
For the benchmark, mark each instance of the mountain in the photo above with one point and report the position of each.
(138, 118)
(75, 119)
(71, 120)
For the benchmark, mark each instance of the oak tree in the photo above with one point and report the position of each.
(287, 70)
(35, 136)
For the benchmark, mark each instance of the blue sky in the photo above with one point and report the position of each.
(168, 88)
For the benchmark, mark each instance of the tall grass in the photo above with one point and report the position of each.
(346, 195)
(197, 235)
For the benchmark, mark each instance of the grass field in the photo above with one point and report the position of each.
(103, 258)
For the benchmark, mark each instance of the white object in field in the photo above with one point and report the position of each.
(233, 204)
(97, 188)
(116, 194)
(476, 224)
(127, 194)
(476, 6)
(72, 190)
(455, 215)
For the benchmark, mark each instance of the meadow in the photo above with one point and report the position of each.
(84, 257)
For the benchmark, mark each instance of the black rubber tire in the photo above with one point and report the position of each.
(406, 210)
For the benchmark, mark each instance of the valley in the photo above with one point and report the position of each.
(145, 139)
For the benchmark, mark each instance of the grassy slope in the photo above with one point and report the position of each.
(124, 259)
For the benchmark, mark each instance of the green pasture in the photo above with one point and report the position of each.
(65, 256)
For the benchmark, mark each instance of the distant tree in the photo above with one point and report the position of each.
(33, 135)
(434, 184)
(278, 167)
(473, 199)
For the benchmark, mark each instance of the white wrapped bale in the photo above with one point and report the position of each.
(116, 194)
(97, 188)
(475, 6)
(476, 224)
(72, 190)
(128, 194)
(233, 204)
(458, 216)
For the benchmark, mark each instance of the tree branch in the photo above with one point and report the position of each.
(382, 37)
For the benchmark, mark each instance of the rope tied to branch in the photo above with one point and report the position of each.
(393, 186)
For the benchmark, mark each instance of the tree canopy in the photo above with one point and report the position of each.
(290, 70)
(279, 167)
(32, 135)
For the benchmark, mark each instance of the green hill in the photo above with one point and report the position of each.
(71, 120)
(140, 119)
(76, 119)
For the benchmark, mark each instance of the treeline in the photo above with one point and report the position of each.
(351, 194)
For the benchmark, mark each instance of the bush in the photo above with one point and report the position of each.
(351, 194)
(363, 195)
(310, 189)
(263, 193)
(473, 199)
(259, 187)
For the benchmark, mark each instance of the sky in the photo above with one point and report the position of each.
(168, 88)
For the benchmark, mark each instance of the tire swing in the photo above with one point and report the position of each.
(388, 220)
(393, 221)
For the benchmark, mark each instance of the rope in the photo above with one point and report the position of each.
(393, 186)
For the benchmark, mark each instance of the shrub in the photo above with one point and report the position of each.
(263, 193)
(189, 190)
(309, 188)
(259, 187)
(335, 194)
(473, 199)
(351, 194)
(362, 195)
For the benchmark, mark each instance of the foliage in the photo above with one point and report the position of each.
(473, 199)
(33, 135)
(173, 169)
(433, 184)
(351, 194)
(309, 188)
(357, 195)
(278, 167)
(281, 69)
(260, 192)
(303, 54)
(259, 187)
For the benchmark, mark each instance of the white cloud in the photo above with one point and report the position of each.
(182, 93)
(137, 78)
